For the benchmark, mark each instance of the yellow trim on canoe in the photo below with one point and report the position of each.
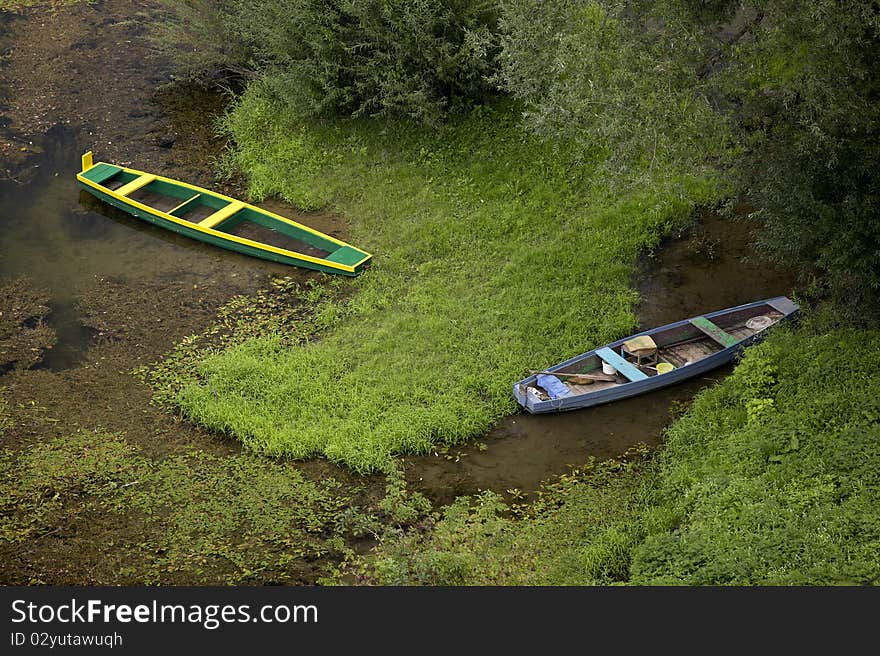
(135, 184)
(221, 215)
(218, 233)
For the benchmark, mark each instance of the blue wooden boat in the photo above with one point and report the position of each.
(651, 359)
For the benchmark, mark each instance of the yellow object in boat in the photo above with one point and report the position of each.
(664, 368)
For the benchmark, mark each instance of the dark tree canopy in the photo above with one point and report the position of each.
(418, 58)
(795, 84)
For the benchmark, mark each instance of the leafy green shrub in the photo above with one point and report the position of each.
(787, 495)
(402, 506)
(620, 75)
(207, 40)
(807, 89)
(787, 95)
(344, 57)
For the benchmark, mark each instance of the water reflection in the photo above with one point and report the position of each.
(63, 239)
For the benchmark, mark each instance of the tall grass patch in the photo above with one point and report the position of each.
(494, 253)
(772, 478)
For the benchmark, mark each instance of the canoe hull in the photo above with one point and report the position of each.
(630, 389)
(208, 238)
(219, 220)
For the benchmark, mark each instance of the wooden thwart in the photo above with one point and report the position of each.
(134, 185)
(629, 370)
(185, 203)
(220, 216)
(719, 335)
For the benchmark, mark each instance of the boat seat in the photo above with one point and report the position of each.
(347, 255)
(628, 369)
(100, 173)
(221, 215)
(719, 335)
(135, 184)
(643, 347)
(189, 201)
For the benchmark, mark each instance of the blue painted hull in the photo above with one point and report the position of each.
(678, 375)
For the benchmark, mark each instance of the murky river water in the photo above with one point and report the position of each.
(62, 238)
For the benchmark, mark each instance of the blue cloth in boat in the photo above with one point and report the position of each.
(554, 387)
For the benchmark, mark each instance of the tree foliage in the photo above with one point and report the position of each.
(790, 90)
(622, 75)
(808, 91)
(796, 83)
(418, 58)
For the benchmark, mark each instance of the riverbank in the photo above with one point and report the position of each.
(769, 479)
(470, 223)
(494, 252)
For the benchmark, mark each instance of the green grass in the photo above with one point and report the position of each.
(580, 531)
(771, 478)
(6, 421)
(494, 253)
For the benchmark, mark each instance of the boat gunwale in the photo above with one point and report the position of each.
(350, 268)
(631, 388)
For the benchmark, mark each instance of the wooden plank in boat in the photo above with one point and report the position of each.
(136, 184)
(719, 335)
(221, 215)
(784, 305)
(101, 172)
(346, 255)
(155, 200)
(573, 377)
(626, 368)
(672, 356)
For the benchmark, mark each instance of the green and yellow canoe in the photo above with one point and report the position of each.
(219, 220)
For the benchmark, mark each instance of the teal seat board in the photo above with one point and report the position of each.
(346, 255)
(101, 172)
(783, 305)
(718, 334)
(626, 368)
